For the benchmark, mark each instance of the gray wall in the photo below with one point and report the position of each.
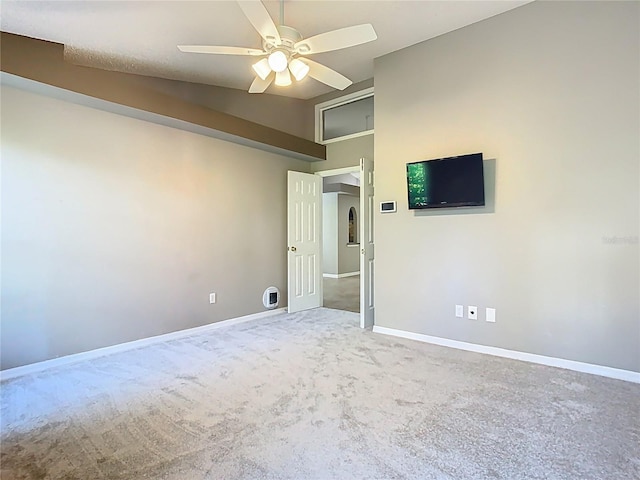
(346, 153)
(549, 92)
(114, 229)
(286, 114)
(348, 256)
(330, 233)
(337, 257)
(312, 102)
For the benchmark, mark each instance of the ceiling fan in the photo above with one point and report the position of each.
(284, 50)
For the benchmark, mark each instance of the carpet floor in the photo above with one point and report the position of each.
(312, 396)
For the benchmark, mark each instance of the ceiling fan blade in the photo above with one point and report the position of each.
(337, 39)
(259, 85)
(259, 17)
(220, 50)
(326, 75)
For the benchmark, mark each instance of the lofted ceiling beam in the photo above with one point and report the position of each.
(43, 62)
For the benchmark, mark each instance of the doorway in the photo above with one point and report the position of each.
(341, 242)
(305, 242)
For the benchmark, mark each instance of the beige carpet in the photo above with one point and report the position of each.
(311, 396)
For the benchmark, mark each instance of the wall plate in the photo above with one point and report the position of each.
(388, 207)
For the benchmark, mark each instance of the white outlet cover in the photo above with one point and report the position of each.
(491, 315)
(459, 311)
(472, 312)
(212, 298)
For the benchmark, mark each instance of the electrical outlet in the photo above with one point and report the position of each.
(212, 298)
(459, 311)
(472, 312)
(491, 315)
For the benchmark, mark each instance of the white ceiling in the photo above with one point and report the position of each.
(141, 36)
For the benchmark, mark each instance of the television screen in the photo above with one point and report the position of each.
(446, 182)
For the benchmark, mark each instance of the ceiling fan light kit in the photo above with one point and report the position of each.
(282, 44)
(262, 68)
(283, 78)
(278, 61)
(299, 69)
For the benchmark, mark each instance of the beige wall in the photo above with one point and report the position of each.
(549, 92)
(115, 229)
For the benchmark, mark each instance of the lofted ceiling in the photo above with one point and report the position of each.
(141, 36)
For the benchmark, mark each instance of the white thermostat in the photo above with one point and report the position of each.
(388, 207)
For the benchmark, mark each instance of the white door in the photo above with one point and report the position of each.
(304, 237)
(366, 243)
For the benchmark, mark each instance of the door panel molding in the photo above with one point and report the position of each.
(304, 237)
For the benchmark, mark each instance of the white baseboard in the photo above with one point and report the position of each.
(341, 275)
(603, 371)
(15, 372)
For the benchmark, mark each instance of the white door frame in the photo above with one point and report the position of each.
(338, 171)
(367, 241)
(342, 171)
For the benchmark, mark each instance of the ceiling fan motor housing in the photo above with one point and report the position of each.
(289, 37)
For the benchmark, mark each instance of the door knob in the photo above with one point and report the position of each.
(293, 249)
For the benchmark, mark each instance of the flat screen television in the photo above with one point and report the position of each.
(446, 182)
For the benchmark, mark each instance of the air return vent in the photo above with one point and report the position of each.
(271, 298)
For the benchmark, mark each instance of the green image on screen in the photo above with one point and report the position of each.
(417, 184)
